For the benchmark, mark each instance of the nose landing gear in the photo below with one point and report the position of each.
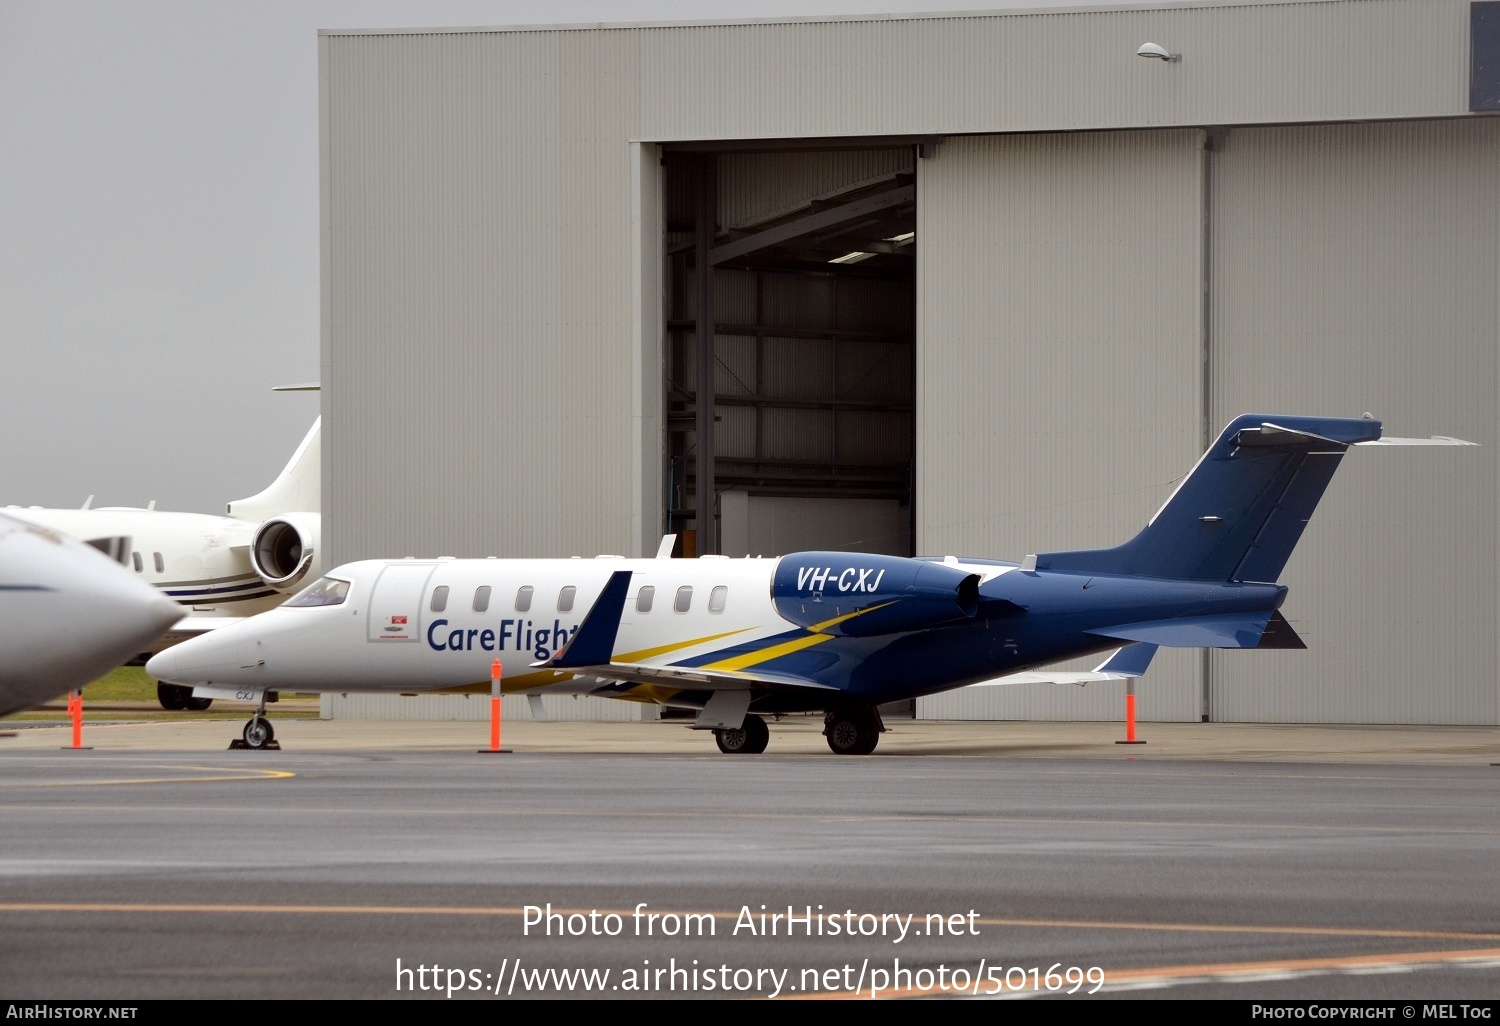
(258, 734)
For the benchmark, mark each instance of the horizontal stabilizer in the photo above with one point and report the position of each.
(1434, 440)
(1233, 630)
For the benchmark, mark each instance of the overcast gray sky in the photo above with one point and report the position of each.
(159, 228)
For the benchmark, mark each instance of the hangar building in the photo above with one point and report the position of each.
(983, 284)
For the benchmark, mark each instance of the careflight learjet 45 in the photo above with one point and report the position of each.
(832, 632)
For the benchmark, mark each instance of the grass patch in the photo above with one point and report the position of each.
(131, 684)
(124, 684)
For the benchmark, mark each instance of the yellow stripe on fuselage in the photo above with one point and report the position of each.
(739, 662)
(676, 646)
(542, 678)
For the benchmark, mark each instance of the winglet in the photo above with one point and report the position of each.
(594, 644)
(1130, 661)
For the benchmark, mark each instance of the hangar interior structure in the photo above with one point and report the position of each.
(981, 283)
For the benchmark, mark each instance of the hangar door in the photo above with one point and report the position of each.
(790, 348)
(1060, 300)
(1354, 270)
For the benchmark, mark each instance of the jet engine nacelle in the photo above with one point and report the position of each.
(284, 551)
(859, 595)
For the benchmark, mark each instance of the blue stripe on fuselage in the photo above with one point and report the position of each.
(890, 667)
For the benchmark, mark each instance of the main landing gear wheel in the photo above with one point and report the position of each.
(176, 697)
(259, 733)
(852, 731)
(750, 739)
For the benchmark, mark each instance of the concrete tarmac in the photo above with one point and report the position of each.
(1213, 861)
(114, 729)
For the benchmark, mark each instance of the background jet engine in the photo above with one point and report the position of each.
(285, 552)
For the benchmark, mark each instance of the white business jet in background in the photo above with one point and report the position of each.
(218, 569)
(71, 613)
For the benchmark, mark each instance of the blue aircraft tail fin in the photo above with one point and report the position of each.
(1240, 512)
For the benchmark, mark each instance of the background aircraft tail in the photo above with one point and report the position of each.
(1242, 509)
(298, 488)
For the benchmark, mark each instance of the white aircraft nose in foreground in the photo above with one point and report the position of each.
(71, 614)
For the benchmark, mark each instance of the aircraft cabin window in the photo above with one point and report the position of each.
(684, 598)
(716, 599)
(160, 566)
(439, 598)
(643, 599)
(481, 598)
(565, 599)
(523, 598)
(330, 591)
(135, 557)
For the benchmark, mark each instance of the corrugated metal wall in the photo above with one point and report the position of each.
(481, 318)
(1355, 270)
(1059, 69)
(1059, 336)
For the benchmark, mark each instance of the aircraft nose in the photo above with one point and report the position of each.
(162, 613)
(211, 657)
(128, 615)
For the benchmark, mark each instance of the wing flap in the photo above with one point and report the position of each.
(699, 679)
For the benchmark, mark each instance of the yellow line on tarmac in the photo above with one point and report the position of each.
(1302, 964)
(1223, 972)
(268, 774)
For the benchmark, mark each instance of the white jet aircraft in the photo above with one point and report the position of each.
(70, 612)
(218, 569)
(836, 632)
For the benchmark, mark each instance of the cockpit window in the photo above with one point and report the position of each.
(330, 591)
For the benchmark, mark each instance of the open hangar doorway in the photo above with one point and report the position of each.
(790, 292)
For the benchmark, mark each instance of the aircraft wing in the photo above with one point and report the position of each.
(696, 678)
(1129, 661)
